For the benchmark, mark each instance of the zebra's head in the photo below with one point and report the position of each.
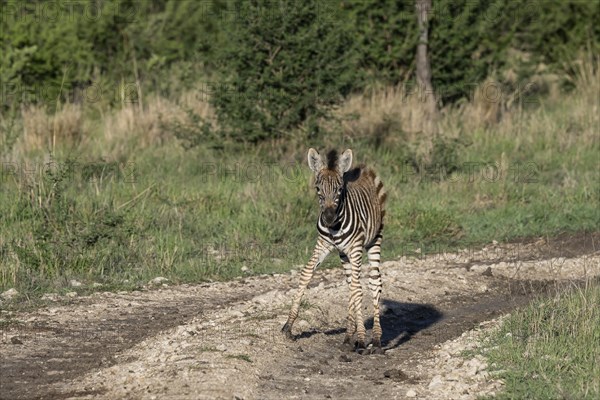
(329, 181)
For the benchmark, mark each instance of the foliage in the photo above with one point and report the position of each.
(386, 36)
(59, 50)
(470, 40)
(286, 64)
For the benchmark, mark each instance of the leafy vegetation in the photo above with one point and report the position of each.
(70, 49)
(284, 66)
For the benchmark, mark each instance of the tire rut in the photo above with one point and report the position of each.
(410, 330)
(48, 351)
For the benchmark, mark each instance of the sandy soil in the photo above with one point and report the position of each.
(223, 341)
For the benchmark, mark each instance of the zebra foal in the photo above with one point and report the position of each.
(351, 219)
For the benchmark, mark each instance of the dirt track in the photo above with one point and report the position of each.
(222, 340)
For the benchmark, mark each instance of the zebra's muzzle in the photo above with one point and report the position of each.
(329, 216)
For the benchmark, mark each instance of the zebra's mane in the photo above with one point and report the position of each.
(332, 159)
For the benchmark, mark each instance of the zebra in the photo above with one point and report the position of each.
(351, 218)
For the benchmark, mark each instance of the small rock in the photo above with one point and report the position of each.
(411, 393)
(221, 347)
(50, 296)
(71, 294)
(10, 294)
(303, 324)
(158, 280)
(75, 283)
(453, 377)
(396, 374)
(478, 268)
(436, 382)
(16, 340)
(245, 269)
(97, 285)
(474, 366)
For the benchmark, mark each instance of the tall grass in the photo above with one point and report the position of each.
(111, 196)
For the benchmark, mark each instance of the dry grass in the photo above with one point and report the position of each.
(395, 114)
(121, 130)
(143, 128)
(392, 115)
(42, 130)
(376, 113)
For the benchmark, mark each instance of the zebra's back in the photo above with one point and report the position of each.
(366, 199)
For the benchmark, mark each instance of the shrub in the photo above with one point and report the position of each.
(286, 65)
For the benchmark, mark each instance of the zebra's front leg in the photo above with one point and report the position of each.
(356, 296)
(350, 321)
(375, 285)
(322, 249)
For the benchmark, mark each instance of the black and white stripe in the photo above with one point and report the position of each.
(351, 221)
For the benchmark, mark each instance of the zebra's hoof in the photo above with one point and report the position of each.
(360, 347)
(287, 331)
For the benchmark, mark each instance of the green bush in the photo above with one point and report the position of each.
(470, 40)
(285, 65)
(327, 49)
(386, 36)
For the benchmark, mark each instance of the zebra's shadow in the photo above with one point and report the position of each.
(399, 322)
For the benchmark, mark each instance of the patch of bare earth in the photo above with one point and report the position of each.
(223, 341)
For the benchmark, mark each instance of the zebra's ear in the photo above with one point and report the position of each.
(345, 161)
(314, 160)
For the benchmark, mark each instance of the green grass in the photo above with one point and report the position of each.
(204, 214)
(550, 350)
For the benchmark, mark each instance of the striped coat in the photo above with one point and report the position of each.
(351, 221)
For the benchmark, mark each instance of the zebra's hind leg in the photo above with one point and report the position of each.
(355, 256)
(375, 286)
(350, 321)
(322, 249)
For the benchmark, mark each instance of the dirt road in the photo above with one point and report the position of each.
(222, 340)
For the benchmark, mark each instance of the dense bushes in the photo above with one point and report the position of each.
(283, 66)
(326, 49)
